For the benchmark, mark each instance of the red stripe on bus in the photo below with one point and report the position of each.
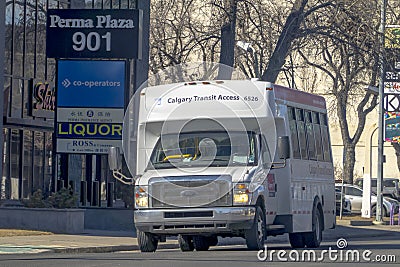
(288, 94)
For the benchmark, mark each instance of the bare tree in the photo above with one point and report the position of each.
(338, 37)
(292, 29)
(228, 34)
(348, 54)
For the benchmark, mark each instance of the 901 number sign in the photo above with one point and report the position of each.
(91, 41)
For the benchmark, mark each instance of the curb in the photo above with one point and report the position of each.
(354, 222)
(369, 231)
(365, 223)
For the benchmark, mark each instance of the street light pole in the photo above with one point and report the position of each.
(248, 48)
(379, 187)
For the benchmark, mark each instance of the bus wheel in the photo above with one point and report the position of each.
(296, 240)
(185, 243)
(257, 234)
(147, 242)
(313, 239)
(201, 243)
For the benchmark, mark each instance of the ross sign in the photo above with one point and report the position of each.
(43, 99)
(94, 33)
(90, 105)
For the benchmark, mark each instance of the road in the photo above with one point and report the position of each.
(231, 255)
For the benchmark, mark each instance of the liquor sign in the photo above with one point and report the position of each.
(90, 106)
(94, 33)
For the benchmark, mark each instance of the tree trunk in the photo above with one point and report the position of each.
(288, 35)
(228, 34)
(349, 162)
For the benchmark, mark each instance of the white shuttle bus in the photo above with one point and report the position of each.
(230, 158)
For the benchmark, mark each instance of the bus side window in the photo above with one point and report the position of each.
(293, 133)
(310, 136)
(325, 138)
(301, 130)
(318, 137)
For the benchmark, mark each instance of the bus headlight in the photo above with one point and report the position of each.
(241, 194)
(141, 197)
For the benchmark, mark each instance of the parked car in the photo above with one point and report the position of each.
(354, 194)
(391, 186)
(340, 197)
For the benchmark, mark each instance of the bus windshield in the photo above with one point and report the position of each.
(201, 149)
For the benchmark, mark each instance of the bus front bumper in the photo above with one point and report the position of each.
(194, 220)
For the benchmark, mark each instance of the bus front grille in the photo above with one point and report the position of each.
(190, 192)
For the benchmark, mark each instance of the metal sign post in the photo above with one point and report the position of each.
(379, 205)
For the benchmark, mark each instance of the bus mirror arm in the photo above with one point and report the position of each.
(115, 162)
(122, 178)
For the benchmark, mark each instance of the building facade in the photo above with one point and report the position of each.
(29, 159)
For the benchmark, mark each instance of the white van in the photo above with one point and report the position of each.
(230, 158)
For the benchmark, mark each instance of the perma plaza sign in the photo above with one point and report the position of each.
(94, 33)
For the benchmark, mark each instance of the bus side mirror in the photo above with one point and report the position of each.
(114, 158)
(283, 147)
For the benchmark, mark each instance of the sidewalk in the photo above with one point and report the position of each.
(110, 241)
(92, 241)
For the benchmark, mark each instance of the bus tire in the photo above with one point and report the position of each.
(296, 240)
(257, 234)
(147, 241)
(313, 239)
(200, 243)
(185, 243)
